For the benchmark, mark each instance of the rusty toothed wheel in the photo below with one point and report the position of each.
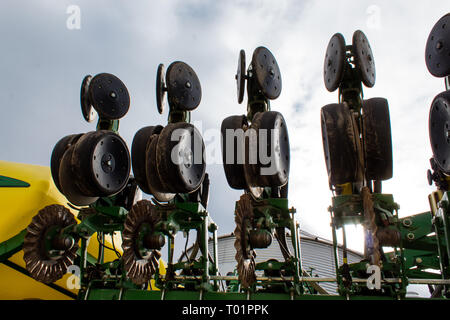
(245, 255)
(140, 246)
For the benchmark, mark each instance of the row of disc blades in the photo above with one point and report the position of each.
(257, 155)
(337, 60)
(87, 166)
(168, 160)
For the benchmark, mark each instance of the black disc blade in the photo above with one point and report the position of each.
(364, 60)
(439, 130)
(240, 76)
(160, 88)
(267, 72)
(437, 51)
(87, 110)
(183, 87)
(333, 67)
(109, 96)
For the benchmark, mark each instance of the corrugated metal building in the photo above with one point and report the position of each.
(316, 256)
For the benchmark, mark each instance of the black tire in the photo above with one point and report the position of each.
(58, 151)
(340, 143)
(376, 133)
(182, 96)
(364, 61)
(155, 185)
(101, 163)
(186, 175)
(439, 126)
(437, 51)
(138, 155)
(234, 171)
(67, 181)
(333, 67)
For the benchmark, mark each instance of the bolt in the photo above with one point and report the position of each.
(439, 45)
(419, 260)
(188, 84)
(113, 95)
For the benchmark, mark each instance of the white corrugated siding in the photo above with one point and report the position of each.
(316, 254)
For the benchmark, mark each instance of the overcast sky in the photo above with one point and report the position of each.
(43, 63)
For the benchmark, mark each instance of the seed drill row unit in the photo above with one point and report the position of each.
(93, 171)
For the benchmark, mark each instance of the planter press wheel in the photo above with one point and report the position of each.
(88, 111)
(240, 77)
(140, 262)
(101, 163)
(155, 185)
(340, 143)
(376, 133)
(277, 149)
(245, 255)
(67, 181)
(185, 172)
(334, 64)
(138, 155)
(109, 96)
(184, 91)
(58, 151)
(364, 60)
(437, 52)
(234, 172)
(267, 72)
(439, 130)
(47, 261)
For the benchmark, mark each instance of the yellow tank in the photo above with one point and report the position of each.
(24, 190)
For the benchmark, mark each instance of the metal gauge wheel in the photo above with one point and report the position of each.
(138, 155)
(437, 51)
(155, 185)
(58, 151)
(340, 143)
(47, 255)
(376, 133)
(267, 72)
(439, 130)
(160, 88)
(101, 163)
(240, 76)
(364, 60)
(140, 245)
(180, 160)
(333, 67)
(183, 87)
(109, 96)
(245, 255)
(89, 114)
(233, 153)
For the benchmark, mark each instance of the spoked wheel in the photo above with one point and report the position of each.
(140, 246)
(245, 255)
(340, 143)
(180, 158)
(48, 255)
(376, 131)
(233, 153)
